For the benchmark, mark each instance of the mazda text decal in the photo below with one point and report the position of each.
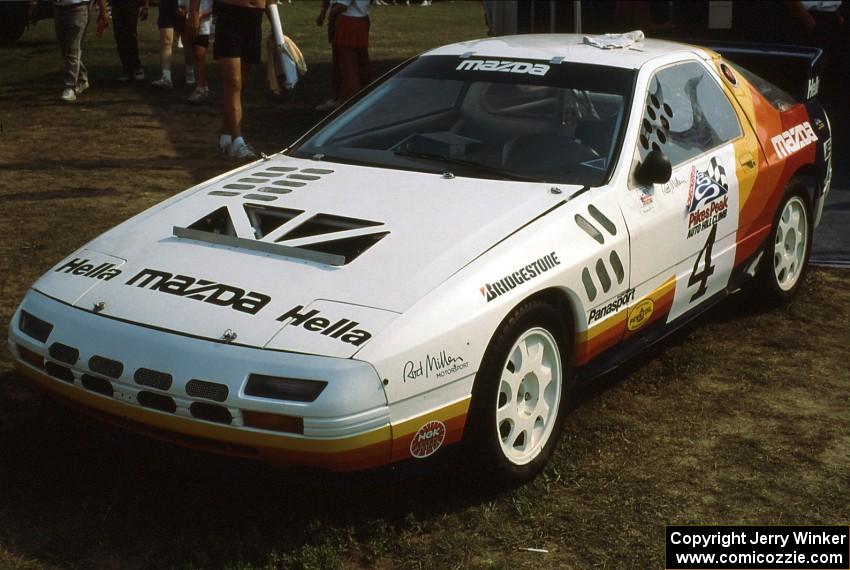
(85, 268)
(796, 138)
(520, 276)
(503, 66)
(434, 365)
(612, 307)
(708, 200)
(201, 290)
(343, 329)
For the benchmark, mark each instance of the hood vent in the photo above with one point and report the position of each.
(325, 224)
(349, 248)
(217, 222)
(323, 238)
(266, 220)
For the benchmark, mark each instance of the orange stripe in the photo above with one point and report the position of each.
(602, 336)
(371, 449)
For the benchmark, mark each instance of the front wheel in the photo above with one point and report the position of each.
(519, 394)
(787, 251)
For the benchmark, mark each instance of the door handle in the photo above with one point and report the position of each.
(747, 160)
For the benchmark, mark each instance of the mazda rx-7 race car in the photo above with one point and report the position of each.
(443, 258)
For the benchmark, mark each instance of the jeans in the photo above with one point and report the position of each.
(125, 18)
(71, 24)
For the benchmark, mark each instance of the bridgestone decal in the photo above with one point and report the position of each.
(520, 276)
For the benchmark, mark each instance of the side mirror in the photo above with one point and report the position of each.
(655, 169)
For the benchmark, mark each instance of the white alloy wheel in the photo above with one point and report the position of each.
(529, 395)
(789, 251)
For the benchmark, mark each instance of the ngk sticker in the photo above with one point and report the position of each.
(428, 439)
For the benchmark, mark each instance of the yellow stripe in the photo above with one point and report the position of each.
(442, 414)
(200, 428)
(620, 316)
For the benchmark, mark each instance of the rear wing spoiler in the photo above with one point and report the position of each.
(795, 69)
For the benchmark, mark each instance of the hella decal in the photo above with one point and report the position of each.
(613, 306)
(813, 87)
(344, 330)
(201, 290)
(503, 66)
(435, 365)
(794, 139)
(520, 276)
(85, 268)
(640, 313)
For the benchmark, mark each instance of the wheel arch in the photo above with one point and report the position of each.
(566, 303)
(807, 175)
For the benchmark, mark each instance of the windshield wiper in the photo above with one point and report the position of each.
(468, 163)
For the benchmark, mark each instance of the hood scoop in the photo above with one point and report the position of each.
(323, 238)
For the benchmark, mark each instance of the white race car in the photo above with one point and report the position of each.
(441, 259)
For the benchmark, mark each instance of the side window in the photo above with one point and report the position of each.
(686, 114)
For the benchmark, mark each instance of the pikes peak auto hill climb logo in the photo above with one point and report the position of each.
(708, 197)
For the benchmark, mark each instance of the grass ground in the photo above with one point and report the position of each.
(740, 418)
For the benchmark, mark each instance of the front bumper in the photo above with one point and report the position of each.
(346, 427)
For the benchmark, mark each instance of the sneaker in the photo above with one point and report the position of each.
(190, 78)
(69, 95)
(241, 150)
(139, 75)
(328, 105)
(124, 78)
(162, 83)
(199, 95)
(82, 86)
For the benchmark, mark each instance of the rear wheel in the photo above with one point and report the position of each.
(519, 394)
(787, 251)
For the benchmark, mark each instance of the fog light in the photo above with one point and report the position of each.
(273, 422)
(34, 327)
(30, 357)
(276, 388)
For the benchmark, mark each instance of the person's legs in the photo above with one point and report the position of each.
(200, 64)
(364, 72)
(75, 72)
(349, 74)
(166, 37)
(231, 95)
(125, 17)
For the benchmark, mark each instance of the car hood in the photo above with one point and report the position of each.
(307, 246)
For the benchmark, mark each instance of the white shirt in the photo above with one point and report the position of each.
(356, 8)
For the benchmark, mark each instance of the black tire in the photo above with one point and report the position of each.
(485, 444)
(771, 287)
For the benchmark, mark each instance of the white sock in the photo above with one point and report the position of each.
(224, 141)
(166, 74)
(238, 141)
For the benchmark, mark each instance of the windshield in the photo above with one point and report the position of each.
(489, 118)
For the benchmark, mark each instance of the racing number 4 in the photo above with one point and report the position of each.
(698, 276)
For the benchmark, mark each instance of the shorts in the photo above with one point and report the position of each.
(351, 32)
(201, 40)
(168, 16)
(238, 32)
